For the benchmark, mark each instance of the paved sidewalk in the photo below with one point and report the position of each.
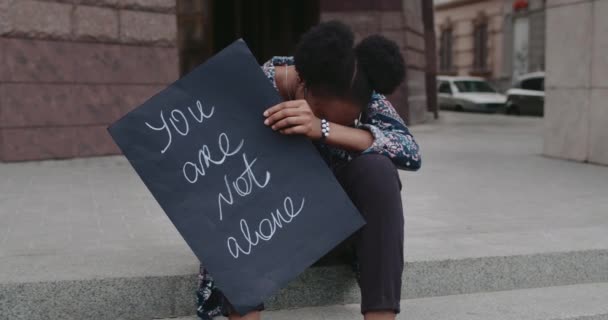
(574, 302)
(483, 190)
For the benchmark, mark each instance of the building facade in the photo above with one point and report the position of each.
(576, 103)
(69, 68)
(495, 39)
(524, 37)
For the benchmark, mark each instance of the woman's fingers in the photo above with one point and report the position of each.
(295, 130)
(283, 105)
(291, 117)
(289, 122)
(281, 114)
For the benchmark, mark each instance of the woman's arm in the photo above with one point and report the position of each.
(392, 138)
(348, 138)
(296, 117)
(384, 131)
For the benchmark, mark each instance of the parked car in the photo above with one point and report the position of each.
(527, 95)
(469, 93)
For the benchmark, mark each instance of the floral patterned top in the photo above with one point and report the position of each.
(391, 138)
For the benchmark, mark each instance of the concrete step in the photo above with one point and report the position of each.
(574, 302)
(145, 297)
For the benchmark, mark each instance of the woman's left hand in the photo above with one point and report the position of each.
(293, 117)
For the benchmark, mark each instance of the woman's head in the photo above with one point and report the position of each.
(340, 76)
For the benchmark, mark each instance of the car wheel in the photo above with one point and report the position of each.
(514, 110)
(458, 108)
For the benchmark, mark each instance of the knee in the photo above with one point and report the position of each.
(377, 169)
(373, 163)
(374, 187)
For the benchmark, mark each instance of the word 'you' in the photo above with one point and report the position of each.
(180, 123)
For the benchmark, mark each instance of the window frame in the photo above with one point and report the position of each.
(446, 48)
(481, 50)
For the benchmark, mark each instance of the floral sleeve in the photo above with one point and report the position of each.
(392, 138)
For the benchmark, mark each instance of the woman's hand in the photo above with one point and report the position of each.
(296, 117)
(293, 117)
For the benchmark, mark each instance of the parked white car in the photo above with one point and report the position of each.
(527, 95)
(469, 93)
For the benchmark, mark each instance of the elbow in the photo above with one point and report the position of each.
(410, 164)
(415, 165)
(413, 160)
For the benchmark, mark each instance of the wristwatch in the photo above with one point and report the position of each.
(324, 129)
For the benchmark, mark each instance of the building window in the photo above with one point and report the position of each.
(480, 47)
(445, 51)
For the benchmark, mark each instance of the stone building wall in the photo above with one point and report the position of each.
(70, 68)
(576, 84)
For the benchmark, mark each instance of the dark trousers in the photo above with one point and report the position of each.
(372, 183)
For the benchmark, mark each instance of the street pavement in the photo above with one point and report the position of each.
(486, 190)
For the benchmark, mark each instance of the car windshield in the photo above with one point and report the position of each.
(474, 86)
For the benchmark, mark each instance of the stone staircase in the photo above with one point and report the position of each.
(542, 286)
(493, 231)
(573, 302)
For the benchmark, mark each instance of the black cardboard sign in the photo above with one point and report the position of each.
(256, 207)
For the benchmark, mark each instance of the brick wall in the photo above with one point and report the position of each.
(69, 68)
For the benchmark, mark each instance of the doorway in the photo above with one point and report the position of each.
(269, 27)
